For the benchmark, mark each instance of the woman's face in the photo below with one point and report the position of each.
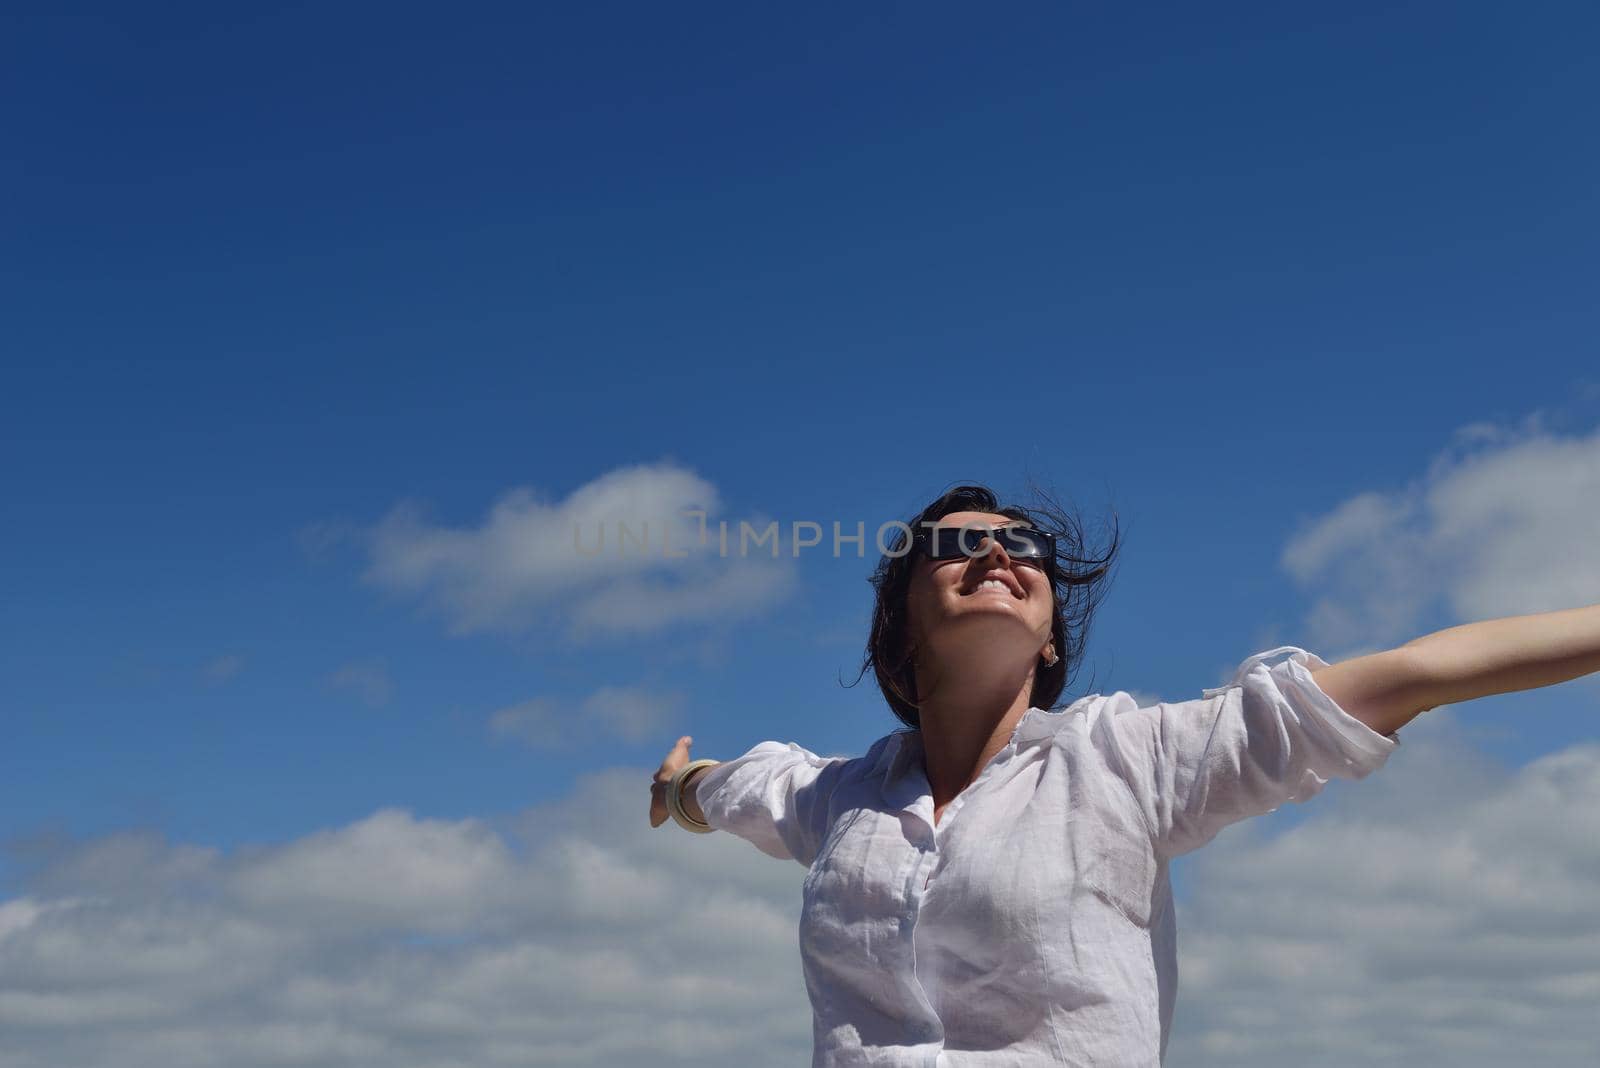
(983, 604)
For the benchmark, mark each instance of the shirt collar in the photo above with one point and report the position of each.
(902, 750)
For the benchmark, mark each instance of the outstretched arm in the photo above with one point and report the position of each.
(777, 796)
(1387, 690)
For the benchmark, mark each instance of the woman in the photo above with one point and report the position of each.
(990, 885)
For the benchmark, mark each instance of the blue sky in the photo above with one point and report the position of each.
(295, 298)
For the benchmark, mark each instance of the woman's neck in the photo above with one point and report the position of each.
(966, 718)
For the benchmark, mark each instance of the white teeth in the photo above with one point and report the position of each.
(993, 584)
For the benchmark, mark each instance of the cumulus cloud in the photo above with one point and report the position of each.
(1444, 912)
(1502, 523)
(574, 934)
(630, 713)
(1440, 912)
(623, 553)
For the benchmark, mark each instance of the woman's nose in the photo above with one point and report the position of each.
(992, 547)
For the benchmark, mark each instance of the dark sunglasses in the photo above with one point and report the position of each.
(1023, 544)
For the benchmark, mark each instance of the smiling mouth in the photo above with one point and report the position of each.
(995, 585)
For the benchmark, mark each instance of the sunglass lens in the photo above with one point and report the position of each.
(972, 540)
(1024, 542)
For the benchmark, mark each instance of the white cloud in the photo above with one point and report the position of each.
(1440, 912)
(390, 871)
(538, 721)
(1502, 523)
(630, 713)
(619, 554)
(575, 935)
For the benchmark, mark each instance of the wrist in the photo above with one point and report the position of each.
(691, 803)
(681, 801)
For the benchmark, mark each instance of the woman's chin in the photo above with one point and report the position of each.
(999, 621)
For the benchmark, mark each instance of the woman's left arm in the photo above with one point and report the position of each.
(1387, 690)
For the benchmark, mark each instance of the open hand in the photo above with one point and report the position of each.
(677, 757)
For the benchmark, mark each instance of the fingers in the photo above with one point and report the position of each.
(658, 802)
(677, 757)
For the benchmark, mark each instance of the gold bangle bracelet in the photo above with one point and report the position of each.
(675, 796)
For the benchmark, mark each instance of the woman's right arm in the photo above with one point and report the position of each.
(776, 796)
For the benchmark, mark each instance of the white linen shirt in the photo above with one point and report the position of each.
(1034, 924)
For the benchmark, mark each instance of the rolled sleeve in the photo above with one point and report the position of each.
(776, 796)
(1269, 736)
